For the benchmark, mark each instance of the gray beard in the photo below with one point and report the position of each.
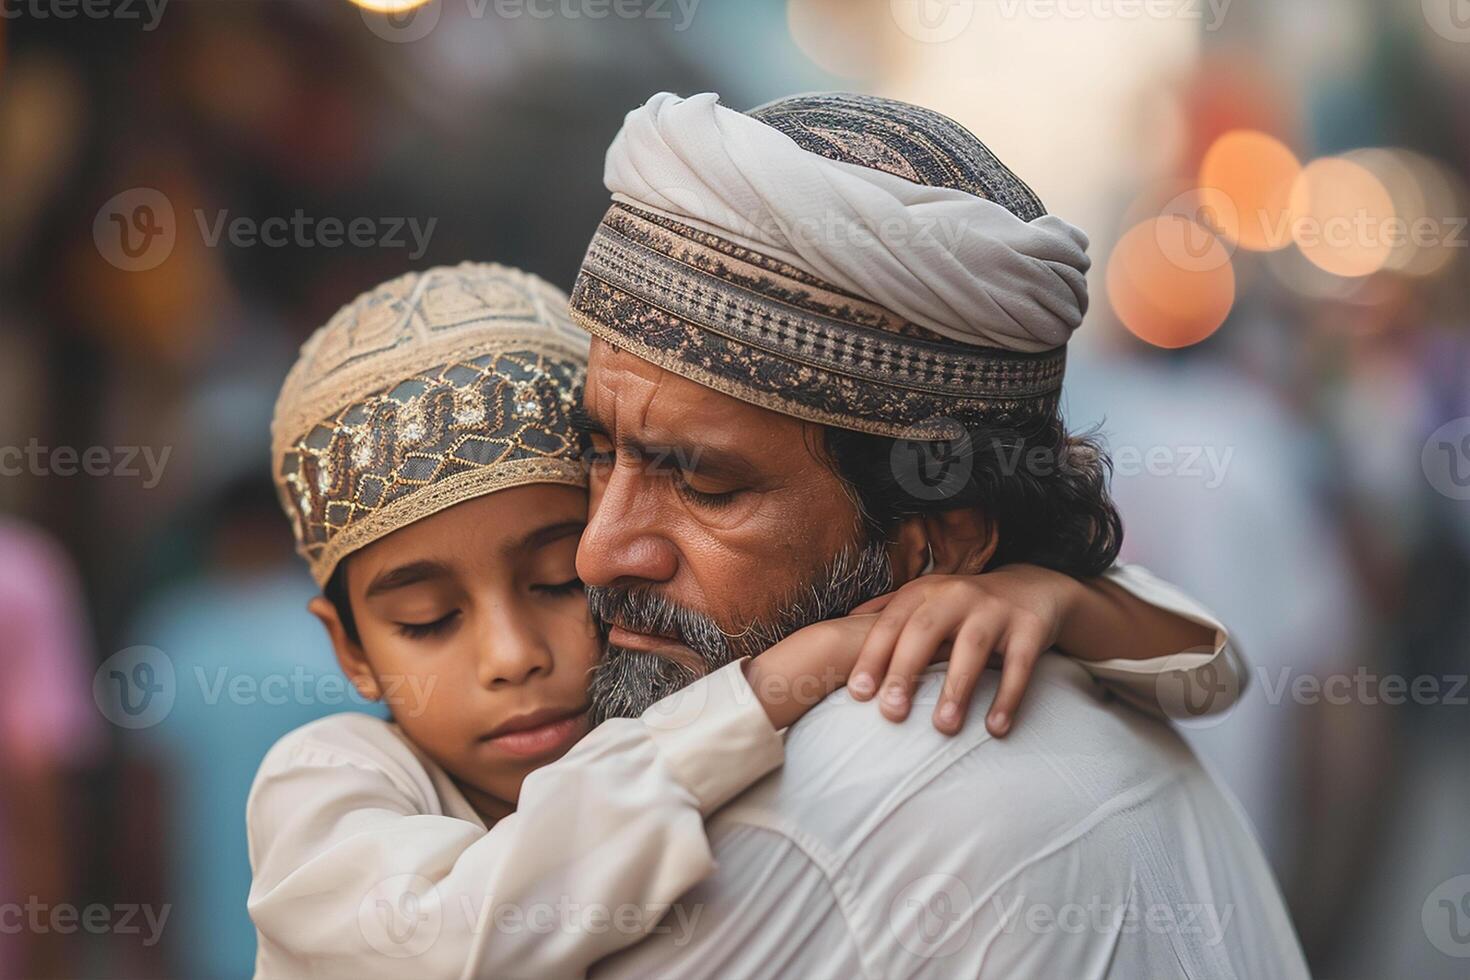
(625, 683)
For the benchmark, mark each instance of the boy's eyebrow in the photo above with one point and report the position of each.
(546, 534)
(416, 572)
(405, 575)
(585, 423)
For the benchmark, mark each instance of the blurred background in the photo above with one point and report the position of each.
(1278, 353)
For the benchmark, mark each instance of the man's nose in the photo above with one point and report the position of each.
(623, 543)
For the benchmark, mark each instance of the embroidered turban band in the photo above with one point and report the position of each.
(432, 389)
(845, 259)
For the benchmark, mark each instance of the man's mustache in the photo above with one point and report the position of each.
(853, 576)
(642, 609)
(626, 682)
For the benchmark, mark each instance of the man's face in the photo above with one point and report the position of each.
(705, 504)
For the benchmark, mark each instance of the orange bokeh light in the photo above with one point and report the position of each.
(1246, 180)
(390, 6)
(840, 37)
(1345, 220)
(1170, 281)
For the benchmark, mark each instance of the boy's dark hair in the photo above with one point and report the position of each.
(336, 592)
(1046, 491)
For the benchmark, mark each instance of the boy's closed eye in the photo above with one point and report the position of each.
(435, 627)
(572, 586)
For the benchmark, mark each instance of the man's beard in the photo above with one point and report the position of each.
(628, 682)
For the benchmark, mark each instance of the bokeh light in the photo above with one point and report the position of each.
(1344, 217)
(1427, 208)
(1161, 300)
(1446, 199)
(1404, 193)
(390, 6)
(842, 37)
(1246, 180)
(1307, 281)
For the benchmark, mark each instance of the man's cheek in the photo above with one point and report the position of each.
(742, 571)
(723, 570)
(753, 528)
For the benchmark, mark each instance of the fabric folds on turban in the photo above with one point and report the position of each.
(963, 266)
(845, 259)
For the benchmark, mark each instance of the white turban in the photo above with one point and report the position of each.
(963, 266)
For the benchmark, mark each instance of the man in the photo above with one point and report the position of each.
(829, 341)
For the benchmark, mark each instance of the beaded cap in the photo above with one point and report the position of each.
(429, 390)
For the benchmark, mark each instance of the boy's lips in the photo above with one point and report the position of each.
(538, 732)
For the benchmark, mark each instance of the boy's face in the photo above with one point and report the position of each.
(474, 629)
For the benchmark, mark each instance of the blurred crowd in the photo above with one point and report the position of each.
(190, 190)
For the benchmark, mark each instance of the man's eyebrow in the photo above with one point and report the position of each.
(704, 460)
(546, 534)
(691, 459)
(405, 575)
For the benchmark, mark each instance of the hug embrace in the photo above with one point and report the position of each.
(699, 571)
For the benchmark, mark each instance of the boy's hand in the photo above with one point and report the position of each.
(1013, 614)
(795, 674)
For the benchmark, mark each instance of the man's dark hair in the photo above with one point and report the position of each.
(1046, 491)
(336, 592)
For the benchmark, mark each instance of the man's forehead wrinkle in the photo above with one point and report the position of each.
(600, 399)
(628, 385)
(648, 390)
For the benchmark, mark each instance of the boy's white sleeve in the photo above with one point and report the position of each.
(1187, 683)
(356, 874)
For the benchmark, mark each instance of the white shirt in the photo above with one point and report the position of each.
(369, 862)
(1088, 843)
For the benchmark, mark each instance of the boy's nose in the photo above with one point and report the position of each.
(513, 654)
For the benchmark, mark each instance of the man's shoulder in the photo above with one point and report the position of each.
(883, 846)
(849, 773)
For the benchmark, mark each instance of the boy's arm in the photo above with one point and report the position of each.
(1127, 614)
(1152, 644)
(1146, 641)
(355, 875)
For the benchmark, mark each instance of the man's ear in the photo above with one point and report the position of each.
(963, 540)
(350, 656)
